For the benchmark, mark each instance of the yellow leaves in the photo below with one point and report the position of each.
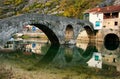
(66, 13)
(68, 8)
(48, 4)
(62, 5)
(17, 13)
(25, 9)
(0, 11)
(7, 2)
(71, 11)
(17, 2)
(14, 2)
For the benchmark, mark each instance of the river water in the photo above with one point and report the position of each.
(38, 59)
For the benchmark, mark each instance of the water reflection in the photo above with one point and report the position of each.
(96, 60)
(64, 55)
(39, 55)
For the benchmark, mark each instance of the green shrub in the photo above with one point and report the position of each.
(25, 37)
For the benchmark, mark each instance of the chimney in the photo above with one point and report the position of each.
(98, 9)
(108, 8)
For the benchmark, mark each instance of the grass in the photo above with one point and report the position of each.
(5, 73)
(27, 37)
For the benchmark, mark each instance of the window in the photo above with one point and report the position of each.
(86, 16)
(115, 15)
(96, 57)
(116, 23)
(33, 28)
(97, 23)
(33, 45)
(107, 15)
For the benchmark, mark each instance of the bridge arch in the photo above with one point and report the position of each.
(49, 33)
(89, 31)
(86, 33)
(69, 32)
(111, 41)
(56, 27)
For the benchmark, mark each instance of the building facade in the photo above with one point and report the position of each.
(106, 21)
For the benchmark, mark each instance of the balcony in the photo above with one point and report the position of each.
(111, 15)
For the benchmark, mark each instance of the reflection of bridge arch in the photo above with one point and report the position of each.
(78, 55)
(53, 24)
(87, 54)
(56, 56)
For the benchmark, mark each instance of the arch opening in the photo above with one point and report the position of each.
(69, 33)
(49, 33)
(90, 33)
(111, 41)
(86, 34)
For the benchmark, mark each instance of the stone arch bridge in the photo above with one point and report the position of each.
(53, 26)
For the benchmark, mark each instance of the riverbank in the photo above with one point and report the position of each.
(12, 72)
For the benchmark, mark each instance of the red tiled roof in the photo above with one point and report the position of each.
(105, 9)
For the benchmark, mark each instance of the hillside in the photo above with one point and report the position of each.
(67, 8)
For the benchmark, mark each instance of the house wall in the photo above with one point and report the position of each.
(110, 23)
(109, 27)
(119, 14)
(94, 17)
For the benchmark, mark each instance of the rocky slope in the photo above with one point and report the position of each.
(68, 8)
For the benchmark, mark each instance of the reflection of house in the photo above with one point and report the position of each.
(9, 45)
(33, 48)
(109, 67)
(96, 60)
(105, 19)
(12, 44)
(112, 60)
(109, 58)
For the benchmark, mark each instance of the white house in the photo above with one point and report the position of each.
(106, 16)
(106, 20)
(95, 17)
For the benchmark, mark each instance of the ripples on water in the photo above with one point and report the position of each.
(90, 58)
